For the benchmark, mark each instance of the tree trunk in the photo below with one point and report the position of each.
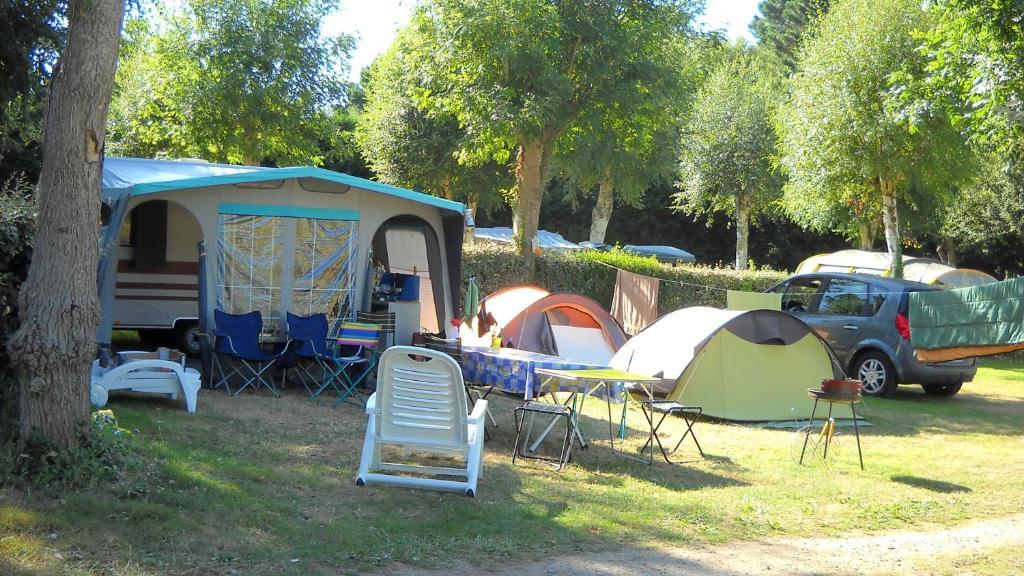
(58, 304)
(890, 218)
(743, 209)
(865, 239)
(602, 213)
(446, 187)
(531, 177)
(947, 252)
(472, 202)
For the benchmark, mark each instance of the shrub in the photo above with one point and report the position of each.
(592, 274)
(106, 454)
(17, 224)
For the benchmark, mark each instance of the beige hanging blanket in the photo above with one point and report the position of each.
(635, 302)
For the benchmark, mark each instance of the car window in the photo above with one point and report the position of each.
(877, 300)
(799, 294)
(844, 297)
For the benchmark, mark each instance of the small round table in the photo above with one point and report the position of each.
(833, 398)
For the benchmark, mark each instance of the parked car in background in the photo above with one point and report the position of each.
(664, 254)
(865, 320)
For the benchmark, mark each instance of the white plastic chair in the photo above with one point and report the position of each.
(420, 406)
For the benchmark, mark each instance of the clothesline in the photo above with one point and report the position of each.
(704, 286)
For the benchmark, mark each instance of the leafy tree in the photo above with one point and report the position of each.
(409, 143)
(976, 52)
(517, 74)
(854, 133)
(58, 305)
(622, 147)
(194, 85)
(781, 24)
(32, 33)
(727, 163)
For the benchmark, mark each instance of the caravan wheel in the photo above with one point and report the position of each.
(187, 337)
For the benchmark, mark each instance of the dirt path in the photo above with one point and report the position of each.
(886, 553)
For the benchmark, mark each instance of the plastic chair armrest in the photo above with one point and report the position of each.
(371, 403)
(479, 412)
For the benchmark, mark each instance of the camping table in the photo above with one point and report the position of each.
(833, 398)
(511, 370)
(613, 382)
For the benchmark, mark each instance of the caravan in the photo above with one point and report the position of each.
(302, 240)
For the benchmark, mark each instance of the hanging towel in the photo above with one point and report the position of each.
(743, 301)
(472, 301)
(635, 302)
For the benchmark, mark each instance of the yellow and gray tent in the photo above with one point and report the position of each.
(738, 365)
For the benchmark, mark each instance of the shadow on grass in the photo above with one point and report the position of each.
(930, 484)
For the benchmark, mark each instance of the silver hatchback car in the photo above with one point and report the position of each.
(865, 320)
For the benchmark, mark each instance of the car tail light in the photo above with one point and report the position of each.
(903, 326)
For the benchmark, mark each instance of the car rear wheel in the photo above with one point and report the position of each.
(944, 390)
(876, 374)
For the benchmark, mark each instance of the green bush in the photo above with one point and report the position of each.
(592, 274)
(106, 454)
(17, 223)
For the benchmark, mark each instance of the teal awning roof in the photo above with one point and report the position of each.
(128, 177)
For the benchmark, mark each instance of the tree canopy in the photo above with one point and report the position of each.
(33, 34)
(517, 74)
(727, 164)
(781, 24)
(854, 134)
(231, 81)
(409, 142)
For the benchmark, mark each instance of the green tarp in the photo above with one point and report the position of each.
(989, 315)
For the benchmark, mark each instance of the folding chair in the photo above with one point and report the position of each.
(309, 346)
(237, 337)
(386, 321)
(354, 339)
(690, 414)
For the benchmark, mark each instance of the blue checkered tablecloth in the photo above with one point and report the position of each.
(511, 370)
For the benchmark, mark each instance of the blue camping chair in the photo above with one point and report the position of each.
(353, 341)
(237, 338)
(309, 345)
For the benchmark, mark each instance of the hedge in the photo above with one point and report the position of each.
(592, 274)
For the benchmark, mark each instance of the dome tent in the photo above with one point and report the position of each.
(738, 365)
(561, 324)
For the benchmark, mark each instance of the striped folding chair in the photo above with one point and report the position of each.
(354, 341)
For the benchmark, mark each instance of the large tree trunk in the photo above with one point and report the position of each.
(865, 237)
(602, 213)
(531, 178)
(891, 220)
(743, 210)
(58, 305)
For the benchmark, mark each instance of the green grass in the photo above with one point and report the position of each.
(249, 484)
(997, 562)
